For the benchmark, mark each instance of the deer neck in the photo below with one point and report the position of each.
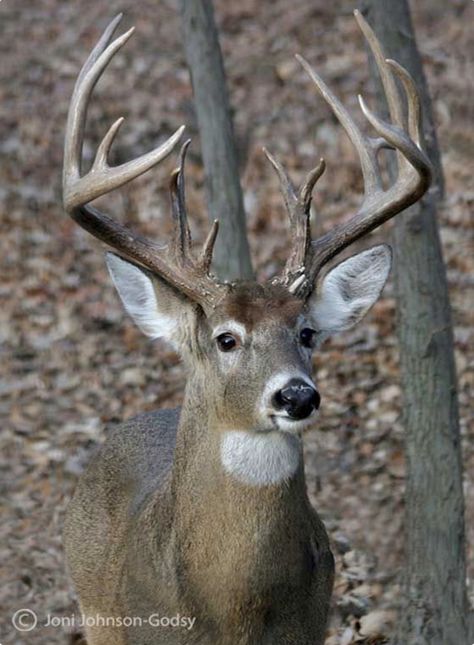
(225, 476)
(234, 541)
(208, 454)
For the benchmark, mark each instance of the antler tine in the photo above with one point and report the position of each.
(208, 247)
(360, 141)
(298, 205)
(182, 234)
(414, 104)
(304, 195)
(390, 88)
(294, 270)
(286, 186)
(100, 45)
(402, 134)
(188, 276)
(306, 190)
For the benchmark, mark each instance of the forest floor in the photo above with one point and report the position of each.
(71, 362)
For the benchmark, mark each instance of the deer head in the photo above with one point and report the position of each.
(249, 344)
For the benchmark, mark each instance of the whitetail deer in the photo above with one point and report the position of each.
(203, 511)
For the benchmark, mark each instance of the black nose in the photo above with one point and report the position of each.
(297, 398)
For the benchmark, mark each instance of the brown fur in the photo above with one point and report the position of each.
(157, 526)
(252, 303)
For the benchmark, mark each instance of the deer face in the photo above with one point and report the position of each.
(260, 342)
(251, 353)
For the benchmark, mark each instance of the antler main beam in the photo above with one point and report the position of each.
(175, 262)
(378, 205)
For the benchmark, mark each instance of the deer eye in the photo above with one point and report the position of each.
(307, 337)
(226, 342)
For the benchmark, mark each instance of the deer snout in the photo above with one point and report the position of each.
(297, 398)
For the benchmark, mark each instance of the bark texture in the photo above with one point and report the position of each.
(225, 202)
(435, 610)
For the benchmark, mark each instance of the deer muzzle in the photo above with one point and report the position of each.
(297, 398)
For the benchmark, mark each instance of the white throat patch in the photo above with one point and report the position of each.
(260, 459)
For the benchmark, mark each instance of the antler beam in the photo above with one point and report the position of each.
(378, 205)
(174, 263)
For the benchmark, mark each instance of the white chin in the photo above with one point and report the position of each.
(293, 426)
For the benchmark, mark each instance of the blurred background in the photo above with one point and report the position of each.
(71, 362)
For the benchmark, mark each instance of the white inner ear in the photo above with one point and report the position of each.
(138, 295)
(350, 289)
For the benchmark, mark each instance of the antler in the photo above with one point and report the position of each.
(414, 172)
(175, 262)
(298, 205)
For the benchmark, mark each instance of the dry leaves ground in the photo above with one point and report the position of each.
(71, 362)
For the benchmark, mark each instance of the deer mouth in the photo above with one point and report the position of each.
(292, 425)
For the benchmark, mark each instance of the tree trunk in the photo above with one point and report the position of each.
(434, 608)
(232, 255)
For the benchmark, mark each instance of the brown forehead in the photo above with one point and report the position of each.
(251, 304)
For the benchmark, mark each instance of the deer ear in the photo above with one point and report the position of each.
(154, 306)
(350, 289)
